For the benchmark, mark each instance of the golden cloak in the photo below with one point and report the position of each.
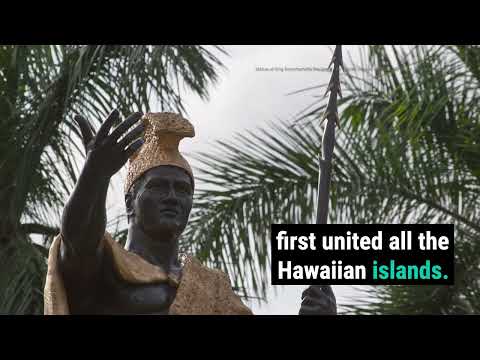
(201, 291)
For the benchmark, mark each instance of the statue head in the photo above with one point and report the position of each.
(160, 183)
(160, 200)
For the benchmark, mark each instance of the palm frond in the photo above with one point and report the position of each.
(22, 284)
(42, 87)
(405, 153)
(262, 177)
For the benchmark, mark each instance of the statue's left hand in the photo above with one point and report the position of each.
(318, 300)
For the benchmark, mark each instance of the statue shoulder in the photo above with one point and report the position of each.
(213, 284)
(194, 268)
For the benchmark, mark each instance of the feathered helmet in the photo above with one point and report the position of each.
(163, 132)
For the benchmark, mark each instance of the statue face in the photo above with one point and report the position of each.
(162, 200)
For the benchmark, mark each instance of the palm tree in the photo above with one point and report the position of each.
(41, 88)
(407, 152)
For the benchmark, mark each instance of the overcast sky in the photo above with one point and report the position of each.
(243, 99)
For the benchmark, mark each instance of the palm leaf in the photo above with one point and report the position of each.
(42, 87)
(407, 152)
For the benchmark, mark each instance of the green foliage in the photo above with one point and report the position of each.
(41, 88)
(22, 282)
(407, 152)
(262, 177)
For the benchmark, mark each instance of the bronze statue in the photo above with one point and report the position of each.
(90, 273)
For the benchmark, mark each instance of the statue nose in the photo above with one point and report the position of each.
(171, 195)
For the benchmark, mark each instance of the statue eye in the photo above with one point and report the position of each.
(155, 186)
(183, 189)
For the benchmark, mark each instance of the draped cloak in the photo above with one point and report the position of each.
(200, 291)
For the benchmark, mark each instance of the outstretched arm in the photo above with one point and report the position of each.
(84, 216)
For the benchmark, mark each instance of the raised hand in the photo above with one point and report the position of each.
(107, 153)
(318, 300)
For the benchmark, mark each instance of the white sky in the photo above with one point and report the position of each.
(243, 99)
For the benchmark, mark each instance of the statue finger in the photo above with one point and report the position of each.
(131, 136)
(319, 305)
(133, 148)
(107, 125)
(326, 293)
(309, 301)
(85, 129)
(306, 292)
(327, 290)
(124, 126)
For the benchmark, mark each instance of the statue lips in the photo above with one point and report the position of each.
(169, 211)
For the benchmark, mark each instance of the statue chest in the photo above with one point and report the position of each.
(116, 297)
